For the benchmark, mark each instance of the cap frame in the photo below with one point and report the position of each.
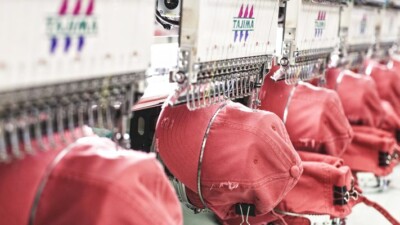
(203, 146)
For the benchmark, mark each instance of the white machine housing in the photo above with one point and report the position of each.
(208, 28)
(389, 25)
(359, 24)
(219, 30)
(70, 40)
(310, 28)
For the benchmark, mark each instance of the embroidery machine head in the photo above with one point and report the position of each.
(225, 50)
(307, 44)
(69, 75)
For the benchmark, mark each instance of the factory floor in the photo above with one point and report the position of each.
(362, 214)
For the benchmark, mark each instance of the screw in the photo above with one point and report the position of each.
(179, 77)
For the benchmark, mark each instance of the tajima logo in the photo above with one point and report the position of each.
(67, 29)
(320, 23)
(243, 24)
(363, 24)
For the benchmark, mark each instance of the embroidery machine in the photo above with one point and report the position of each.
(307, 41)
(225, 48)
(76, 63)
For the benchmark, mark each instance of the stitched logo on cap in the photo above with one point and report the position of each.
(243, 24)
(320, 23)
(67, 29)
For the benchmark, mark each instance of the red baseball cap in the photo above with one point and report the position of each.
(371, 151)
(97, 183)
(333, 187)
(315, 192)
(18, 185)
(229, 154)
(334, 193)
(21, 178)
(92, 184)
(358, 94)
(387, 81)
(314, 116)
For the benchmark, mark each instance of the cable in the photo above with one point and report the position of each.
(165, 25)
(167, 20)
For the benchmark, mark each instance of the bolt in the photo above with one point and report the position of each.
(284, 62)
(179, 77)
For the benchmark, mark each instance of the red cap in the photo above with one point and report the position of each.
(387, 81)
(359, 96)
(92, 184)
(96, 183)
(247, 156)
(319, 190)
(371, 151)
(315, 118)
(20, 179)
(19, 183)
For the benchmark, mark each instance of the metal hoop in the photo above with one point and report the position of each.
(203, 146)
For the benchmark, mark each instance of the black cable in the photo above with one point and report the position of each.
(165, 25)
(167, 20)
